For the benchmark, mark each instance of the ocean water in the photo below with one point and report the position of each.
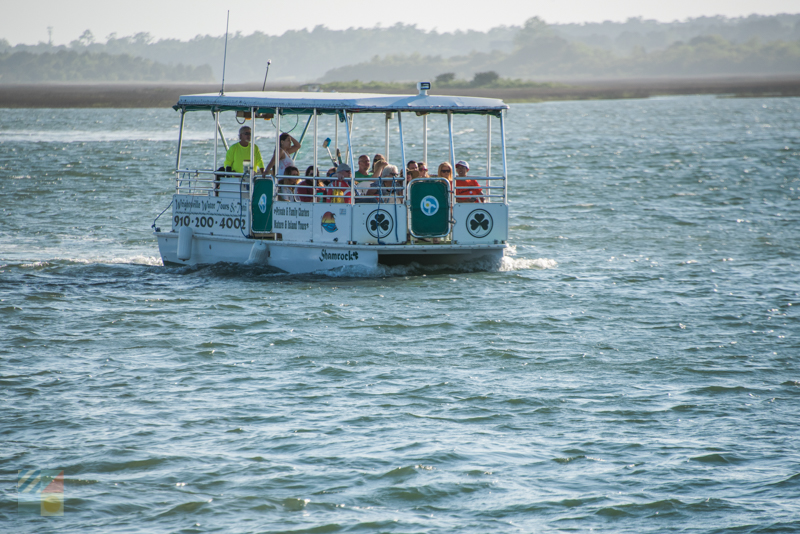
(633, 366)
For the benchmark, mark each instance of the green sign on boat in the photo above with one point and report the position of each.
(430, 209)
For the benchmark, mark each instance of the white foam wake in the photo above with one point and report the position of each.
(511, 263)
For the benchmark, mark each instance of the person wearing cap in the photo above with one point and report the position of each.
(466, 187)
(339, 189)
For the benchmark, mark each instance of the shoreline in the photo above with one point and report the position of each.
(166, 95)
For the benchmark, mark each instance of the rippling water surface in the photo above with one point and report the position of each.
(633, 367)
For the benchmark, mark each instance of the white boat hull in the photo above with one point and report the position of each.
(309, 257)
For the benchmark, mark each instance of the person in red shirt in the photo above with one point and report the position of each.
(467, 186)
(339, 189)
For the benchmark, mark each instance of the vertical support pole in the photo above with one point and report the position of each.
(402, 145)
(488, 156)
(425, 138)
(352, 174)
(335, 133)
(505, 162)
(216, 137)
(252, 147)
(351, 118)
(277, 146)
(403, 174)
(387, 136)
(302, 136)
(222, 135)
(314, 172)
(180, 140)
(180, 148)
(452, 161)
(488, 145)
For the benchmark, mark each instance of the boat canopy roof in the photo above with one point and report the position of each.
(300, 103)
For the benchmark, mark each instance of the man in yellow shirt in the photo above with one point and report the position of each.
(240, 152)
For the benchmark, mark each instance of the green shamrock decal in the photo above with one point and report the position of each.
(380, 221)
(479, 221)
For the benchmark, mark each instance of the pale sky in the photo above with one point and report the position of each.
(27, 22)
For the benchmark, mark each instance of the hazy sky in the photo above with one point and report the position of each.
(27, 22)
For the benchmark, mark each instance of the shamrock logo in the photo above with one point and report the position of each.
(379, 224)
(380, 221)
(479, 223)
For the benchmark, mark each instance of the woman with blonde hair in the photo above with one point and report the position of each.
(445, 171)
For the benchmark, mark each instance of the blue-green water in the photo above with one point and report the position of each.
(632, 368)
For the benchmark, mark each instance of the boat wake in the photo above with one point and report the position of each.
(510, 263)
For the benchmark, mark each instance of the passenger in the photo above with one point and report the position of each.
(362, 175)
(411, 170)
(310, 171)
(321, 185)
(287, 192)
(375, 159)
(422, 167)
(467, 186)
(289, 146)
(377, 168)
(240, 152)
(305, 191)
(339, 190)
(389, 189)
(445, 171)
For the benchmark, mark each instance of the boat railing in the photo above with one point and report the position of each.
(490, 189)
(213, 183)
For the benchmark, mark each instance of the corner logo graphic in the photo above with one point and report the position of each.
(40, 491)
(329, 222)
(379, 224)
(262, 203)
(479, 223)
(429, 205)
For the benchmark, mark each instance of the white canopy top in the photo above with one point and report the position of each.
(298, 102)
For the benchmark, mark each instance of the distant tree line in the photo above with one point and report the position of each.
(591, 49)
(71, 66)
(539, 52)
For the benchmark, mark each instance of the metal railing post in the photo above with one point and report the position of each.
(452, 160)
(252, 147)
(216, 137)
(180, 148)
(314, 171)
(505, 162)
(425, 138)
(488, 148)
(387, 136)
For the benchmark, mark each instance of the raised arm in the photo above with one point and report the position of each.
(295, 146)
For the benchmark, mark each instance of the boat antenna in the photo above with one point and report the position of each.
(225, 55)
(263, 87)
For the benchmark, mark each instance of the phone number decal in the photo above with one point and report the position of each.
(207, 221)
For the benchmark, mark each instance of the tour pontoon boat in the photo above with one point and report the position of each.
(220, 216)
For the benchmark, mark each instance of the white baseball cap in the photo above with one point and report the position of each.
(463, 164)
